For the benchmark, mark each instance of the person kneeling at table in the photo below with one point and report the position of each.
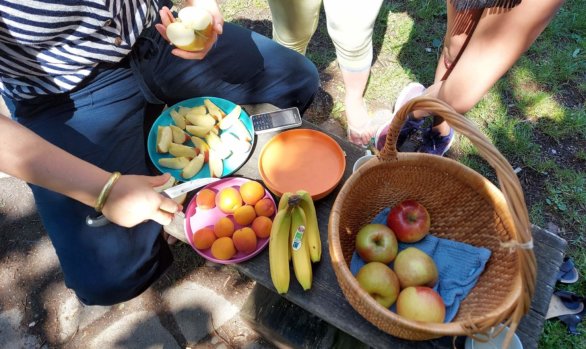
(77, 89)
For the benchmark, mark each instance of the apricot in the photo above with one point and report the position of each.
(244, 240)
(251, 192)
(264, 207)
(224, 227)
(206, 199)
(229, 200)
(223, 248)
(262, 226)
(244, 215)
(204, 238)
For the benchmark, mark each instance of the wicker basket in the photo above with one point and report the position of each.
(464, 206)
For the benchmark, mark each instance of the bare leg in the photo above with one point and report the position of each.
(356, 113)
(500, 38)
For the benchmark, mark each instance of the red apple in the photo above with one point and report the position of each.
(421, 304)
(380, 282)
(376, 243)
(415, 268)
(409, 220)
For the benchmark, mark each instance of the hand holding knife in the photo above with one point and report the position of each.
(171, 193)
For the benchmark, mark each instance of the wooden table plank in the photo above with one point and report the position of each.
(327, 301)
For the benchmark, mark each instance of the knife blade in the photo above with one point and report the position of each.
(171, 193)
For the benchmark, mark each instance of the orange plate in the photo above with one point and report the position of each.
(302, 159)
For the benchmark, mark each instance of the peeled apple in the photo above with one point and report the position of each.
(191, 30)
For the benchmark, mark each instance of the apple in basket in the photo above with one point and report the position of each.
(192, 29)
(376, 243)
(421, 303)
(415, 268)
(409, 220)
(380, 282)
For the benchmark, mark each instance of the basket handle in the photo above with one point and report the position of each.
(509, 185)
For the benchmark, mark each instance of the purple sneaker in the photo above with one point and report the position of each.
(412, 90)
(436, 144)
(411, 126)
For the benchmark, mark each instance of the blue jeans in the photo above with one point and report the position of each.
(102, 123)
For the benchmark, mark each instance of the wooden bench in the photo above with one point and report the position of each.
(323, 318)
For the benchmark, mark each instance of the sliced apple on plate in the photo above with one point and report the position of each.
(200, 131)
(234, 143)
(178, 119)
(216, 144)
(201, 120)
(230, 118)
(216, 165)
(164, 139)
(214, 110)
(202, 146)
(194, 166)
(179, 150)
(179, 136)
(175, 163)
(240, 131)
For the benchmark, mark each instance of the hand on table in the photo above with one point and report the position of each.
(133, 200)
(217, 24)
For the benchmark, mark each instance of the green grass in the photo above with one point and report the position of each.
(535, 114)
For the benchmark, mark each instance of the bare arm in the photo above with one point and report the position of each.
(29, 157)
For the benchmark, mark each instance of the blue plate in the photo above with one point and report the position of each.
(231, 163)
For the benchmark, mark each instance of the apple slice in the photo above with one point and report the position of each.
(183, 111)
(202, 146)
(179, 136)
(201, 120)
(229, 119)
(168, 184)
(164, 139)
(194, 166)
(216, 165)
(200, 131)
(213, 109)
(178, 119)
(179, 150)
(216, 144)
(240, 131)
(234, 143)
(175, 163)
(198, 110)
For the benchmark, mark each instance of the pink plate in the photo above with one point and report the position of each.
(196, 219)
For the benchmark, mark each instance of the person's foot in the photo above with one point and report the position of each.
(436, 144)
(412, 90)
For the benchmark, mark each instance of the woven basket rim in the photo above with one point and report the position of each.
(460, 172)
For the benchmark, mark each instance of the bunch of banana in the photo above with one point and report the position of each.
(294, 237)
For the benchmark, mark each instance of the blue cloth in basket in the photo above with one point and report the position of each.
(459, 265)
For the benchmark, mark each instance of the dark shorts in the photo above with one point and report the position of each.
(102, 123)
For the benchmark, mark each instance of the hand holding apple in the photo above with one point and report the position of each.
(194, 31)
(376, 243)
(380, 282)
(409, 220)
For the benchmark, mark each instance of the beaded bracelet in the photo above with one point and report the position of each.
(101, 200)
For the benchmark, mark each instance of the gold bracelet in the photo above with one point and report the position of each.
(106, 191)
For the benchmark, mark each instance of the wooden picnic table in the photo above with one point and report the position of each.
(326, 300)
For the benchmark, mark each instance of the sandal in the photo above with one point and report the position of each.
(568, 274)
(568, 308)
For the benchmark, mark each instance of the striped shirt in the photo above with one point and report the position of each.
(50, 46)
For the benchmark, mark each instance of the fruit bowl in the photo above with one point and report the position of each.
(198, 218)
(230, 164)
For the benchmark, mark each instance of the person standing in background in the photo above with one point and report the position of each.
(350, 26)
